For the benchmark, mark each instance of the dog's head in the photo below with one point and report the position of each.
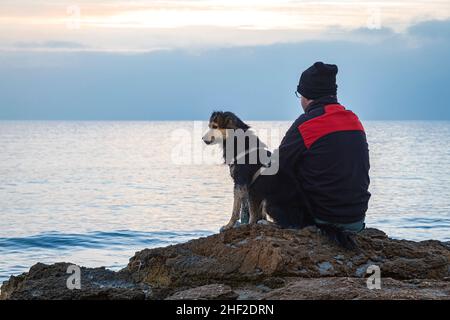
(219, 123)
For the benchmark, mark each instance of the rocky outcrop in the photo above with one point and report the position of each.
(257, 262)
(207, 292)
(356, 288)
(50, 282)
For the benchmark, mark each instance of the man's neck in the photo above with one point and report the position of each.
(321, 101)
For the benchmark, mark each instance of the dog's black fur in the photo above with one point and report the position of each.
(268, 193)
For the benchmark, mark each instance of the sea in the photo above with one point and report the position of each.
(93, 193)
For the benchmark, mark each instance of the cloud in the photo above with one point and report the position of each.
(56, 44)
(383, 79)
(67, 46)
(146, 25)
(52, 45)
(382, 31)
(431, 29)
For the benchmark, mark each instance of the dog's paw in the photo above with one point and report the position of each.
(228, 227)
(264, 222)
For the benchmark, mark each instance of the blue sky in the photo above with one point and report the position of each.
(114, 64)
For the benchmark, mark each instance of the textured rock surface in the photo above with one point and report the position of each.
(255, 253)
(356, 288)
(261, 262)
(207, 292)
(49, 282)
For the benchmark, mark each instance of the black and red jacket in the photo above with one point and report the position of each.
(326, 152)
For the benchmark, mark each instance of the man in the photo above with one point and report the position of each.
(326, 152)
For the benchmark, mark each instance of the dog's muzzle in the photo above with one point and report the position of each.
(208, 141)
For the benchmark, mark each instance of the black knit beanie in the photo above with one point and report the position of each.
(317, 81)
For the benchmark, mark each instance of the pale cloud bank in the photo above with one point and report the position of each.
(148, 60)
(140, 26)
(383, 75)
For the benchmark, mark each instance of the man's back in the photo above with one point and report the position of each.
(327, 152)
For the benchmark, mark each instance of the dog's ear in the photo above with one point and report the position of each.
(229, 120)
(233, 122)
(215, 116)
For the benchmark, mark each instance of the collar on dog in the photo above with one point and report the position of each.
(258, 173)
(243, 154)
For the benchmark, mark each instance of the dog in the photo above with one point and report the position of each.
(265, 195)
(262, 193)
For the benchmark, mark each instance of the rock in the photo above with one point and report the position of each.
(272, 252)
(207, 292)
(48, 282)
(325, 268)
(356, 288)
(274, 282)
(261, 262)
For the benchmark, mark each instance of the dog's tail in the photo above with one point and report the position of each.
(339, 236)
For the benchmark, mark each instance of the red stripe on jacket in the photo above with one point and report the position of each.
(335, 119)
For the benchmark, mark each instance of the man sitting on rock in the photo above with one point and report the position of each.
(326, 152)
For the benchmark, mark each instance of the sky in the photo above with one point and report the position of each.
(175, 60)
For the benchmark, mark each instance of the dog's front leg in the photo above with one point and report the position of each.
(254, 210)
(245, 211)
(239, 192)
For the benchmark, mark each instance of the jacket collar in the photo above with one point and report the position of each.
(320, 102)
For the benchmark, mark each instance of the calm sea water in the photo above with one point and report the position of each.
(93, 193)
